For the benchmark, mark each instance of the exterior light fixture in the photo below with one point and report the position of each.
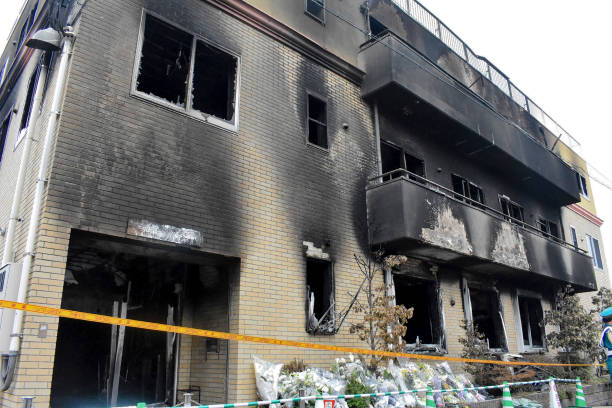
(47, 39)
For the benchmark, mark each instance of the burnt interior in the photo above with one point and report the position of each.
(317, 121)
(531, 317)
(425, 325)
(320, 296)
(27, 108)
(486, 316)
(106, 365)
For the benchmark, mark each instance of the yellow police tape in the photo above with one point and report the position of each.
(73, 314)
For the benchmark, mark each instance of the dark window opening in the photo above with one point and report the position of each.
(165, 61)
(574, 237)
(425, 325)
(2, 279)
(317, 121)
(214, 81)
(549, 228)
(316, 9)
(320, 297)
(511, 209)
(394, 158)
(391, 159)
(531, 317)
(582, 184)
(3, 134)
(27, 107)
(466, 189)
(486, 316)
(376, 27)
(32, 17)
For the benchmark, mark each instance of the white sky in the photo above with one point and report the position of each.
(556, 51)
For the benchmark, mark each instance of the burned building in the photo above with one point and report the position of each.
(217, 164)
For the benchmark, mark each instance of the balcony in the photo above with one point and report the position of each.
(413, 216)
(399, 79)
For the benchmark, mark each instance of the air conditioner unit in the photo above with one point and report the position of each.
(10, 275)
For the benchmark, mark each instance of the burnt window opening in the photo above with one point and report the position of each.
(548, 228)
(513, 210)
(467, 189)
(486, 317)
(425, 326)
(377, 28)
(27, 107)
(3, 133)
(582, 185)
(394, 158)
(531, 314)
(320, 313)
(317, 121)
(574, 237)
(316, 9)
(188, 73)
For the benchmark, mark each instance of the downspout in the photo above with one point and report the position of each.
(9, 362)
(8, 255)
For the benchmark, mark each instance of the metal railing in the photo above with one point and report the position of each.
(401, 174)
(431, 23)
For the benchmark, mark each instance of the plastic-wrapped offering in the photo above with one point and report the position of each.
(266, 378)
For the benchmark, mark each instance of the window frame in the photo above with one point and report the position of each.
(33, 82)
(187, 110)
(315, 95)
(574, 236)
(332, 314)
(403, 165)
(313, 16)
(547, 224)
(522, 347)
(597, 260)
(583, 186)
(3, 143)
(509, 217)
(471, 201)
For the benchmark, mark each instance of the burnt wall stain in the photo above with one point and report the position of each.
(447, 231)
(509, 247)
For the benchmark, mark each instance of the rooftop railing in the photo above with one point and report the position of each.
(401, 174)
(429, 21)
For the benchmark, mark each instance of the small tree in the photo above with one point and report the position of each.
(602, 300)
(384, 324)
(575, 333)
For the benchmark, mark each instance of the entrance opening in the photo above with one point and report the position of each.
(104, 365)
(425, 325)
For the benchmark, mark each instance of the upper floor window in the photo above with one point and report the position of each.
(187, 73)
(582, 185)
(394, 158)
(548, 227)
(513, 210)
(467, 189)
(317, 121)
(26, 112)
(320, 297)
(574, 237)
(3, 73)
(3, 132)
(316, 9)
(593, 245)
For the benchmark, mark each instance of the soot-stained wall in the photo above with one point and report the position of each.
(256, 194)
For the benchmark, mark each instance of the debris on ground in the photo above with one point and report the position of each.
(525, 403)
(396, 375)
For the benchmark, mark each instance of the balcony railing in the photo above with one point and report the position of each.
(452, 195)
(430, 22)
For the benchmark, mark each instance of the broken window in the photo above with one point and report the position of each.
(593, 245)
(531, 314)
(467, 189)
(511, 209)
(320, 297)
(3, 133)
(316, 9)
(549, 228)
(486, 315)
(582, 185)
(394, 158)
(376, 27)
(317, 121)
(188, 73)
(425, 327)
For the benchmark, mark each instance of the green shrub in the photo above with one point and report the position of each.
(355, 387)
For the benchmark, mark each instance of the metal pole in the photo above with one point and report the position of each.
(27, 402)
(302, 402)
(187, 400)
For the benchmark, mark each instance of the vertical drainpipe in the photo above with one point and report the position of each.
(41, 181)
(377, 135)
(25, 155)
